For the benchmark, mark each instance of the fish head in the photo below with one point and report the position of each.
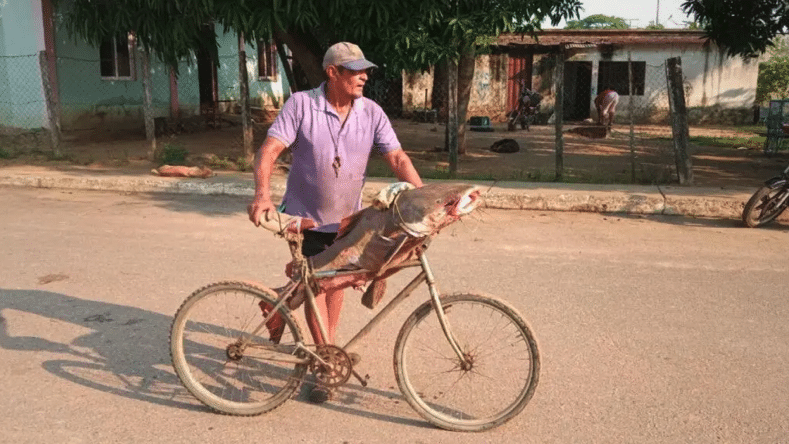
(426, 210)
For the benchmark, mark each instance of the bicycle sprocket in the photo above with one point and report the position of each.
(337, 368)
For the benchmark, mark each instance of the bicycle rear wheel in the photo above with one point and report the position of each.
(232, 379)
(498, 343)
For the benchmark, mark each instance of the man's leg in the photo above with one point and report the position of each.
(329, 305)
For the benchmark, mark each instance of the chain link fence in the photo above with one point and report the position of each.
(22, 103)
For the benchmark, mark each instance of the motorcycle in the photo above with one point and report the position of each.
(768, 202)
(526, 111)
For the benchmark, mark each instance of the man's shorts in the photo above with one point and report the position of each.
(315, 242)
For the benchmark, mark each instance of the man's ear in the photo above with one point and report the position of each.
(332, 72)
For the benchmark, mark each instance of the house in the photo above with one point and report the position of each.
(718, 88)
(101, 87)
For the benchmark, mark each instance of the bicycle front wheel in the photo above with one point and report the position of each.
(500, 372)
(223, 364)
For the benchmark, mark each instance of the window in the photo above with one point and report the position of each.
(267, 60)
(614, 75)
(117, 58)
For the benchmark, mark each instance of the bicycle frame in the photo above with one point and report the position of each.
(426, 276)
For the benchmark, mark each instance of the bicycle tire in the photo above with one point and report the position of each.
(495, 388)
(203, 331)
(762, 207)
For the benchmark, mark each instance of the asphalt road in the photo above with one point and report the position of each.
(651, 329)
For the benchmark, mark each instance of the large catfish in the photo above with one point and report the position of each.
(379, 237)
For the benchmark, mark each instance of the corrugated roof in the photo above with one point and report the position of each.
(577, 37)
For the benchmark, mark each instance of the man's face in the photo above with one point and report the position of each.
(349, 82)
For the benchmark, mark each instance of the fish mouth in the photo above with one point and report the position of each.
(465, 203)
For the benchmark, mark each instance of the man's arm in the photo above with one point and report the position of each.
(264, 166)
(401, 165)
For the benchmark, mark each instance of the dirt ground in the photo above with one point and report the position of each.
(587, 160)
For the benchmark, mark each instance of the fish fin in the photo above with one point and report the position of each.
(374, 293)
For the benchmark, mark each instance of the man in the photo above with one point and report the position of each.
(331, 131)
(606, 102)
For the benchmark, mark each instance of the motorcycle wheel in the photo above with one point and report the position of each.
(763, 207)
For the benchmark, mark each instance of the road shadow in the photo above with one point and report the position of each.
(697, 221)
(206, 205)
(126, 353)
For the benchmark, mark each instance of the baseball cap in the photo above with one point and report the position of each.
(348, 56)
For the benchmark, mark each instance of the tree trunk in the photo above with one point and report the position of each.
(452, 117)
(679, 120)
(246, 117)
(439, 97)
(558, 113)
(285, 64)
(53, 116)
(307, 53)
(147, 104)
(465, 81)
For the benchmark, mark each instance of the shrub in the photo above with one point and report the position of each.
(172, 155)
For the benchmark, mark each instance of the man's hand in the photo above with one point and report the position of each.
(258, 207)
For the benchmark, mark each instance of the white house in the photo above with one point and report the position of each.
(718, 88)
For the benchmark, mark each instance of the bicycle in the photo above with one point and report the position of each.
(464, 362)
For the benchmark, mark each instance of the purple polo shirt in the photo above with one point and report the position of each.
(312, 129)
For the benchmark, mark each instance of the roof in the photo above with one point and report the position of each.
(594, 37)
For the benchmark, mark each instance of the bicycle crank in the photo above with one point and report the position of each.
(334, 367)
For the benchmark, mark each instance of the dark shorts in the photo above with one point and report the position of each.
(315, 242)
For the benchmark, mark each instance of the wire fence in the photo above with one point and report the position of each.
(84, 99)
(22, 102)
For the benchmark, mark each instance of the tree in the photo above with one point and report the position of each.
(396, 35)
(741, 27)
(773, 80)
(598, 21)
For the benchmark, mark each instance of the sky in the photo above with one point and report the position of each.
(638, 12)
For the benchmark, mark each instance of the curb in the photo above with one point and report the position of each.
(647, 200)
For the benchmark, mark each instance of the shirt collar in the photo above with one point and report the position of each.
(320, 103)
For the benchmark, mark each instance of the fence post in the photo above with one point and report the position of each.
(679, 120)
(452, 116)
(558, 113)
(147, 103)
(53, 116)
(243, 79)
(630, 112)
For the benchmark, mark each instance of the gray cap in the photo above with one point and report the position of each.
(348, 56)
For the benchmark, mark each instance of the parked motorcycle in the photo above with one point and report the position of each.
(768, 202)
(526, 111)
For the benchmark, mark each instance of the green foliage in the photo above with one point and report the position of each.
(741, 27)
(654, 26)
(172, 155)
(773, 81)
(397, 34)
(598, 21)
(5, 154)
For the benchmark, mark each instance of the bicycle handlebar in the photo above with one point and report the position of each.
(278, 223)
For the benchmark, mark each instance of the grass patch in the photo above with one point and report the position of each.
(227, 163)
(750, 142)
(172, 155)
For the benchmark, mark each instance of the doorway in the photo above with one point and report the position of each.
(577, 90)
(206, 74)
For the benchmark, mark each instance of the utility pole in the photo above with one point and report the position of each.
(657, 13)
